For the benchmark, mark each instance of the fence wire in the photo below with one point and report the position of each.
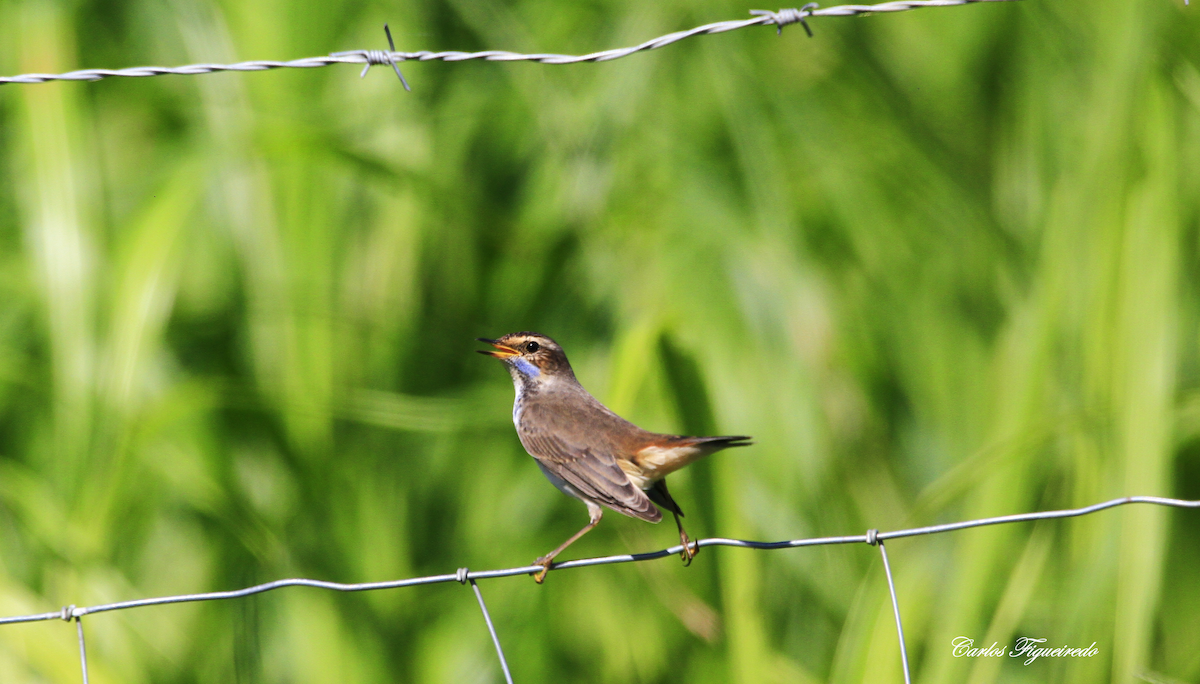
(391, 57)
(465, 576)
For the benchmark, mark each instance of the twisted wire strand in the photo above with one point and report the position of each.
(74, 612)
(379, 57)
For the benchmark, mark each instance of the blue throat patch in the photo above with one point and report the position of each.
(526, 368)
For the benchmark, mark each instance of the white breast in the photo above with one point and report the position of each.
(518, 405)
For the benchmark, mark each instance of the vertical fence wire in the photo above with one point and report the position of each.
(873, 539)
(491, 628)
(82, 648)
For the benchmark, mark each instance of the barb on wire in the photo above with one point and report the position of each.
(789, 16)
(371, 58)
(378, 57)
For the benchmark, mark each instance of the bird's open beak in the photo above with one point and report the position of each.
(502, 351)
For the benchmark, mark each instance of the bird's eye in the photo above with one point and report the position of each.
(532, 347)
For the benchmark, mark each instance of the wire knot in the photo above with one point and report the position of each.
(377, 57)
(68, 612)
(873, 537)
(461, 575)
(789, 16)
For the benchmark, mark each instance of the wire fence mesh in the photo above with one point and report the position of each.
(391, 57)
(465, 576)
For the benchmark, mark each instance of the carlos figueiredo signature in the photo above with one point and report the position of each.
(1029, 648)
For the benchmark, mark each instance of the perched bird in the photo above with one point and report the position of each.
(586, 450)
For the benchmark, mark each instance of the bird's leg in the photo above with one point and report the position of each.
(659, 495)
(595, 512)
(690, 548)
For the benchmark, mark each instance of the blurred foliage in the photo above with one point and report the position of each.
(941, 265)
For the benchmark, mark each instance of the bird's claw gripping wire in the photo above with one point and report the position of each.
(545, 562)
(690, 549)
(789, 16)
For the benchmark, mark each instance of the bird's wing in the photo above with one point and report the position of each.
(592, 470)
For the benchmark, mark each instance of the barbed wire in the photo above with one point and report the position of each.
(465, 576)
(391, 57)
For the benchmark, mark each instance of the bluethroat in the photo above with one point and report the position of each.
(586, 450)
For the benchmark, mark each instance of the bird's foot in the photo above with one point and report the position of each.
(690, 549)
(545, 562)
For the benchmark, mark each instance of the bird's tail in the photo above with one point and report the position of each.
(671, 452)
(716, 443)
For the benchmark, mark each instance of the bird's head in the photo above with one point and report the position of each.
(530, 357)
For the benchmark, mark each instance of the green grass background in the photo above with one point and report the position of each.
(940, 265)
